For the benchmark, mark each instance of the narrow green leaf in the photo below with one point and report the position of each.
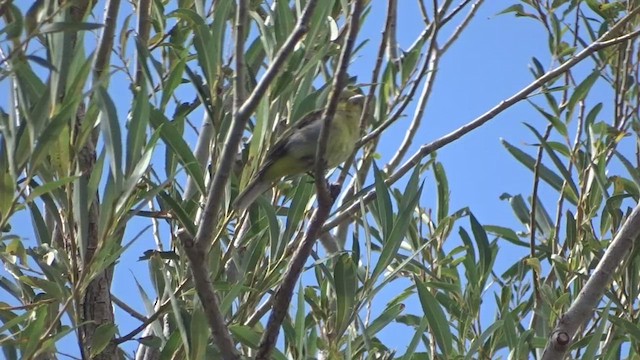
(409, 60)
(172, 82)
(7, 181)
(246, 335)
(553, 119)
(397, 234)
(178, 211)
(505, 233)
(381, 322)
(14, 27)
(509, 330)
(42, 232)
(630, 167)
(318, 23)
(14, 321)
(299, 323)
(48, 137)
(303, 191)
(346, 286)
(480, 340)
(266, 37)
(581, 91)
(545, 173)
(137, 171)
(176, 142)
(573, 189)
(68, 26)
(199, 334)
(101, 338)
(137, 127)
(48, 187)
(415, 340)
(597, 335)
(519, 207)
(442, 184)
(517, 10)
(283, 20)
(111, 130)
(220, 16)
(436, 317)
(592, 115)
(251, 338)
(484, 249)
(469, 260)
(34, 330)
(383, 210)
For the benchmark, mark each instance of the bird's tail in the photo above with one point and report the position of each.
(250, 194)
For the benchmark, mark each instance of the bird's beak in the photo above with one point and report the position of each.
(357, 99)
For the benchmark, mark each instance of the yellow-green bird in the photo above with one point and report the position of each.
(294, 152)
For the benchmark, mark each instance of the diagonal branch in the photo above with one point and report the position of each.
(196, 247)
(586, 301)
(603, 42)
(282, 297)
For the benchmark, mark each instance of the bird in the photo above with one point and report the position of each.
(295, 151)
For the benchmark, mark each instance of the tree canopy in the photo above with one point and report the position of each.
(127, 131)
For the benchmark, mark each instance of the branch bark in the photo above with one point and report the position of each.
(586, 301)
(196, 247)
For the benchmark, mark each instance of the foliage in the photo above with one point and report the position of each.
(99, 154)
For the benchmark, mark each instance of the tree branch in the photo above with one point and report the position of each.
(427, 149)
(282, 297)
(586, 301)
(196, 248)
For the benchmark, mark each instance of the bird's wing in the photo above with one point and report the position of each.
(281, 146)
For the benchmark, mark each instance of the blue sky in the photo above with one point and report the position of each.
(486, 65)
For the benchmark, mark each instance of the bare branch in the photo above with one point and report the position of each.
(426, 149)
(365, 164)
(467, 19)
(195, 248)
(390, 30)
(586, 301)
(147, 321)
(429, 73)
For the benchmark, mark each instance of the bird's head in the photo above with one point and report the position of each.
(352, 95)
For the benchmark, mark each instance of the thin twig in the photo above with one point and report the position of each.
(428, 72)
(467, 19)
(365, 164)
(128, 309)
(259, 313)
(147, 321)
